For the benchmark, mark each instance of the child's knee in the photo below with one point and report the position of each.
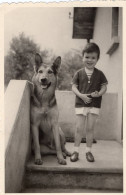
(79, 129)
(90, 130)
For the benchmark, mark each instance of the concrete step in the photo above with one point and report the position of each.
(61, 190)
(106, 173)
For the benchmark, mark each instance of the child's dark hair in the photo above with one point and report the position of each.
(91, 47)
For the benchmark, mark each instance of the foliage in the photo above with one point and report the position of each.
(20, 59)
(19, 62)
(71, 62)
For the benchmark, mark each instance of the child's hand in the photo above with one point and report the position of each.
(85, 98)
(95, 94)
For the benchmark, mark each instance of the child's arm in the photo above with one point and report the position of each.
(101, 92)
(84, 97)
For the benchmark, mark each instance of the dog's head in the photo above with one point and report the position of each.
(46, 74)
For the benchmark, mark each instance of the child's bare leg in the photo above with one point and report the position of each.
(91, 120)
(80, 123)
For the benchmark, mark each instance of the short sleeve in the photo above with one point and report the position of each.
(103, 79)
(75, 79)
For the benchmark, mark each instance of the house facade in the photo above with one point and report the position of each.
(103, 25)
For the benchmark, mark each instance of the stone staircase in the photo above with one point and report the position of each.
(104, 175)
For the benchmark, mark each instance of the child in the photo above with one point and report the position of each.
(89, 84)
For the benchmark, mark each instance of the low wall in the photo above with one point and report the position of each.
(17, 133)
(107, 124)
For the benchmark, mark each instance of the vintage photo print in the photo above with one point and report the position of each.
(63, 96)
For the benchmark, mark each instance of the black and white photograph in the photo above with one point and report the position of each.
(63, 94)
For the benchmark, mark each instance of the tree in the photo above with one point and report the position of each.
(20, 59)
(71, 62)
(19, 62)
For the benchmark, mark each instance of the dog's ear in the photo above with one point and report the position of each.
(38, 61)
(56, 65)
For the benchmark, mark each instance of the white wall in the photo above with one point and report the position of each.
(111, 65)
(104, 128)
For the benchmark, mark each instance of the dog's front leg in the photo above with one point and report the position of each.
(58, 144)
(35, 133)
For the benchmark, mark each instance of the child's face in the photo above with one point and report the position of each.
(90, 60)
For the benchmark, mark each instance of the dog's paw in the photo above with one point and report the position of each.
(62, 161)
(38, 161)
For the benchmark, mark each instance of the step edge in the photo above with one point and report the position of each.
(74, 170)
(87, 189)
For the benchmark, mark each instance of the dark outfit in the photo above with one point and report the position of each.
(96, 81)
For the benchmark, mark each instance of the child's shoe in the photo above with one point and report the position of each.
(74, 157)
(89, 157)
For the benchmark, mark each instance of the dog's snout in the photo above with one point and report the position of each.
(44, 80)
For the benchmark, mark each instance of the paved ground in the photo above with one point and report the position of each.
(108, 157)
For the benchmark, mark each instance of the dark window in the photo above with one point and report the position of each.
(115, 18)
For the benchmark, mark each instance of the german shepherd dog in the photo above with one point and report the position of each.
(48, 138)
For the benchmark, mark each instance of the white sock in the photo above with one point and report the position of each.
(76, 149)
(88, 149)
